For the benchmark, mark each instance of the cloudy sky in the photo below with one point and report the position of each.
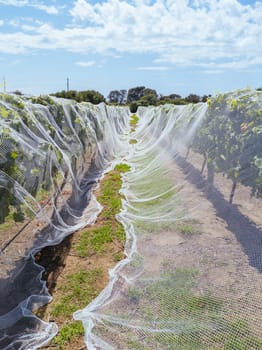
(173, 46)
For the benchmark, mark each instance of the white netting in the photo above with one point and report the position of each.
(192, 276)
(191, 279)
(52, 152)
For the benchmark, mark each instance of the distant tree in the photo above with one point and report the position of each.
(133, 107)
(134, 94)
(150, 92)
(114, 96)
(204, 98)
(117, 96)
(92, 96)
(193, 98)
(174, 97)
(123, 96)
(142, 95)
(18, 92)
(148, 99)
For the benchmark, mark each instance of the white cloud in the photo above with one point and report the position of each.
(86, 63)
(153, 68)
(51, 10)
(212, 35)
(1, 22)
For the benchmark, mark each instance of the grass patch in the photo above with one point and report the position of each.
(118, 257)
(80, 287)
(95, 239)
(133, 120)
(68, 333)
(188, 228)
(78, 290)
(122, 168)
(7, 225)
(194, 322)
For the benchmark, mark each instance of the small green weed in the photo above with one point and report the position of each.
(134, 120)
(187, 229)
(94, 240)
(68, 333)
(77, 291)
(118, 257)
(122, 168)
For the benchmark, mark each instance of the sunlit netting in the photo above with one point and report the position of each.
(52, 152)
(192, 213)
(193, 219)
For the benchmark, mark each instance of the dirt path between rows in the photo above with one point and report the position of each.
(226, 250)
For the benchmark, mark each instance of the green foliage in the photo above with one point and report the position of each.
(77, 291)
(122, 168)
(187, 228)
(117, 96)
(134, 94)
(141, 96)
(230, 137)
(134, 120)
(133, 107)
(190, 321)
(94, 240)
(18, 216)
(91, 96)
(44, 100)
(11, 99)
(118, 257)
(68, 333)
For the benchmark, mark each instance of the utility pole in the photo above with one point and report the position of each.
(4, 84)
(67, 84)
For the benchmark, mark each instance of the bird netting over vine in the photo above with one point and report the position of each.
(192, 212)
(51, 154)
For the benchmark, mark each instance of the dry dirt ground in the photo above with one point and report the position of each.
(225, 247)
(228, 250)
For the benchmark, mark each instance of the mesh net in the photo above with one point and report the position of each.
(191, 279)
(192, 276)
(52, 152)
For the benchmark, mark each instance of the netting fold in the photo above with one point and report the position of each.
(191, 278)
(192, 275)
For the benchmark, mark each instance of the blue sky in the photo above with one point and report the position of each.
(173, 46)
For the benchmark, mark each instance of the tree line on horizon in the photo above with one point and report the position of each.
(134, 97)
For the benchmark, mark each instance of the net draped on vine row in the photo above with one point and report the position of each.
(183, 285)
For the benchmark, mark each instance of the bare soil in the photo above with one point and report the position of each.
(62, 260)
(227, 251)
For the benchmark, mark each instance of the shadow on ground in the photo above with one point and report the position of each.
(244, 229)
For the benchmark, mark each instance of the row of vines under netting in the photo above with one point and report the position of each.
(47, 144)
(40, 147)
(230, 139)
(52, 154)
